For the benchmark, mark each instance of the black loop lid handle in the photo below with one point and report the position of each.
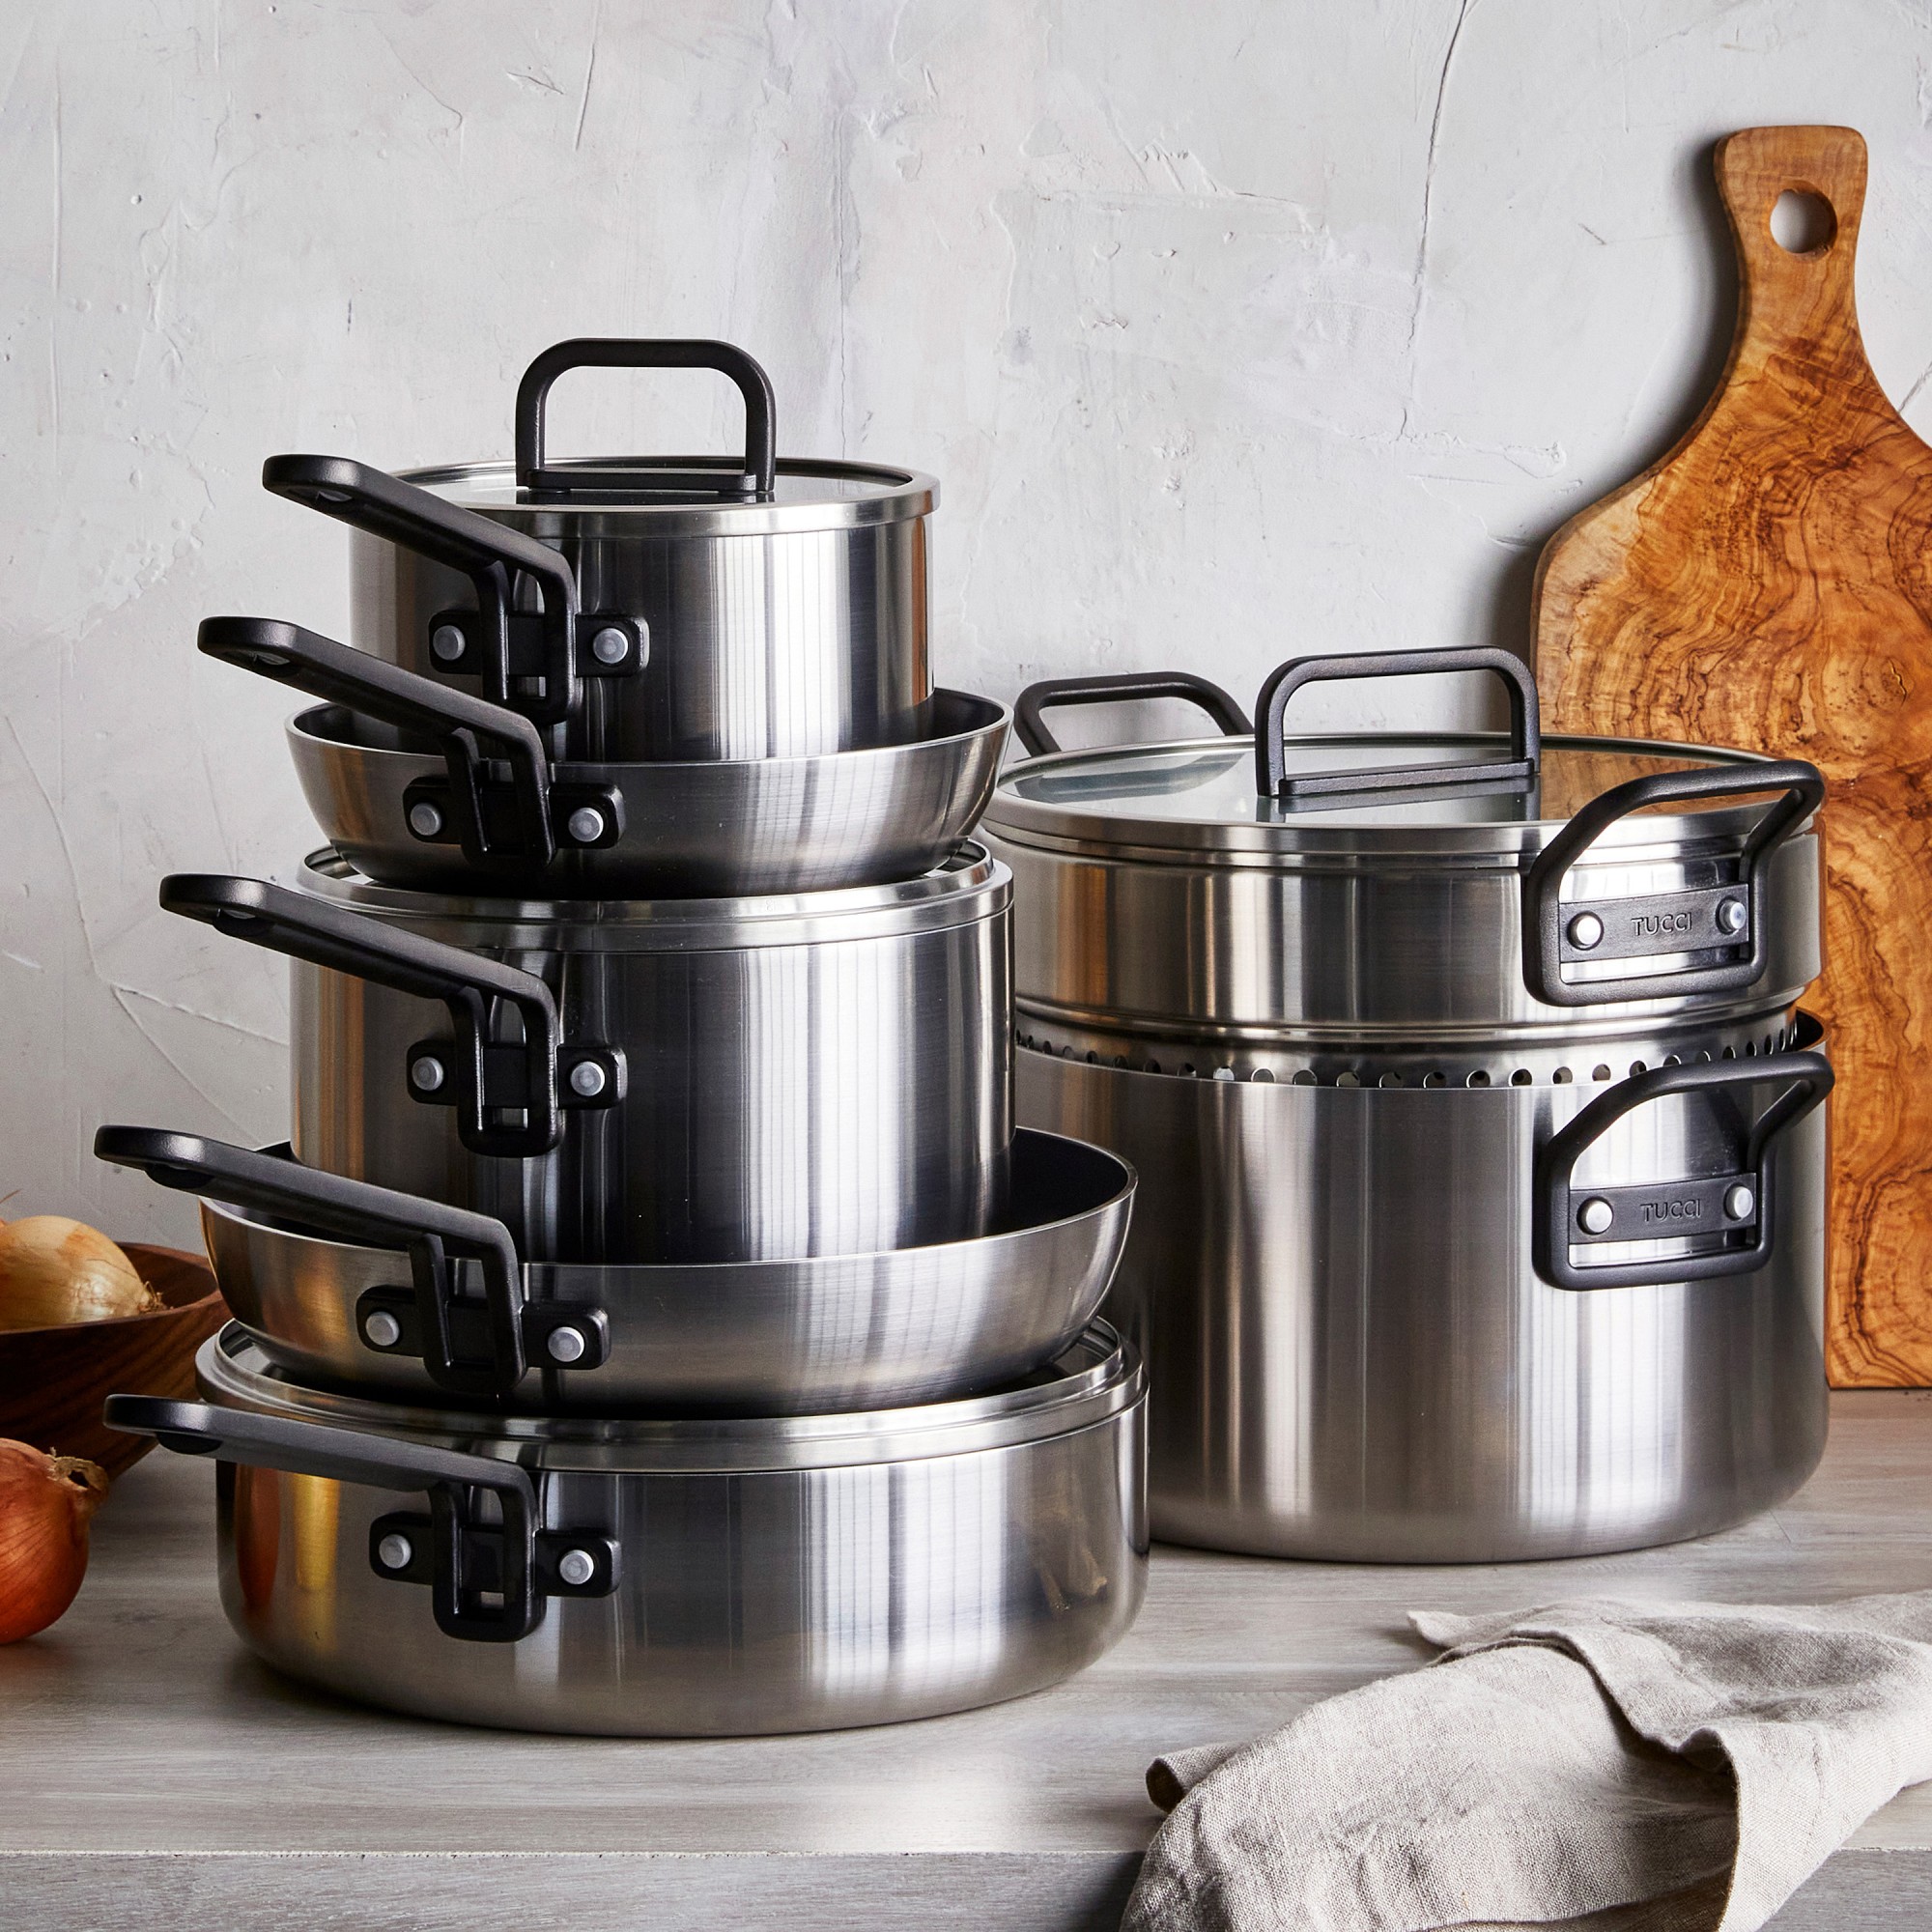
(594, 351)
(1517, 773)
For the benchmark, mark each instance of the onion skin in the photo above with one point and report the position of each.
(54, 1272)
(45, 1504)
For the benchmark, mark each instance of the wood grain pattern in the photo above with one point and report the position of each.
(1768, 584)
(54, 1381)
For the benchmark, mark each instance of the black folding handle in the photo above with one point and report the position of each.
(1724, 919)
(465, 982)
(324, 669)
(591, 352)
(1134, 686)
(1516, 773)
(427, 1231)
(1737, 1205)
(489, 553)
(489, 1582)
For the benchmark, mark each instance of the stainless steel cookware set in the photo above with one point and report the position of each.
(1482, 1184)
(653, 1208)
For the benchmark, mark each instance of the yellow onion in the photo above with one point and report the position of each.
(53, 1271)
(46, 1505)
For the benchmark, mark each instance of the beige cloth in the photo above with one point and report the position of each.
(1592, 1766)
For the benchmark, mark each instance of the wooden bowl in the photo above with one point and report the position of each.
(54, 1380)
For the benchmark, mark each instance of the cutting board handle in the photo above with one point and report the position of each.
(1807, 294)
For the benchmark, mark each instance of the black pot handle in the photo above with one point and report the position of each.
(427, 1231)
(1030, 726)
(1726, 919)
(467, 1564)
(1517, 773)
(489, 553)
(465, 982)
(525, 833)
(591, 352)
(1735, 1204)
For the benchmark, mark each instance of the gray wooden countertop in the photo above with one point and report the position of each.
(150, 1774)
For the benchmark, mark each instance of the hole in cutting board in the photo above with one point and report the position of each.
(1802, 223)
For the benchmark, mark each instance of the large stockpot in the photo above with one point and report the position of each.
(720, 1578)
(662, 1081)
(419, 785)
(1482, 1210)
(348, 1284)
(649, 608)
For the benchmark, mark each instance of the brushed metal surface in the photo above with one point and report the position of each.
(791, 1092)
(751, 1600)
(756, 1338)
(1370, 924)
(703, 828)
(1350, 1358)
(776, 631)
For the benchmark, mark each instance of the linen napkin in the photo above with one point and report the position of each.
(1592, 1766)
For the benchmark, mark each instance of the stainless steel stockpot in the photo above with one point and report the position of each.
(674, 1579)
(651, 607)
(348, 1284)
(1354, 1352)
(1482, 1209)
(1185, 889)
(665, 1081)
(419, 785)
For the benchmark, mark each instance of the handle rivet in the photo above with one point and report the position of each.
(448, 643)
(381, 1331)
(610, 645)
(587, 1079)
(395, 1552)
(565, 1344)
(425, 820)
(1732, 916)
(427, 1073)
(576, 1567)
(1595, 1216)
(1738, 1201)
(585, 825)
(1586, 930)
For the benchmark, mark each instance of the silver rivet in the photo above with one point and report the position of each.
(425, 820)
(587, 1079)
(1732, 916)
(585, 825)
(610, 645)
(1595, 1216)
(576, 1567)
(1586, 930)
(565, 1344)
(1738, 1201)
(394, 1551)
(381, 1331)
(448, 643)
(427, 1073)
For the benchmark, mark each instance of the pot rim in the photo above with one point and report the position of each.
(1314, 839)
(970, 887)
(1091, 1381)
(872, 493)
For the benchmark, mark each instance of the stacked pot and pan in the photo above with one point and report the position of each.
(656, 1323)
(1482, 1206)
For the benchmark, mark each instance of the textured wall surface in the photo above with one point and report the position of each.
(1232, 329)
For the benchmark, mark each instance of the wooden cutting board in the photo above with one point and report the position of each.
(1768, 584)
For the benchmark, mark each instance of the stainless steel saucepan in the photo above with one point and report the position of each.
(653, 1080)
(416, 784)
(646, 608)
(345, 1283)
(674, 1579)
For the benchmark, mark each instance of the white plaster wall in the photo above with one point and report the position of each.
(1232, 329)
